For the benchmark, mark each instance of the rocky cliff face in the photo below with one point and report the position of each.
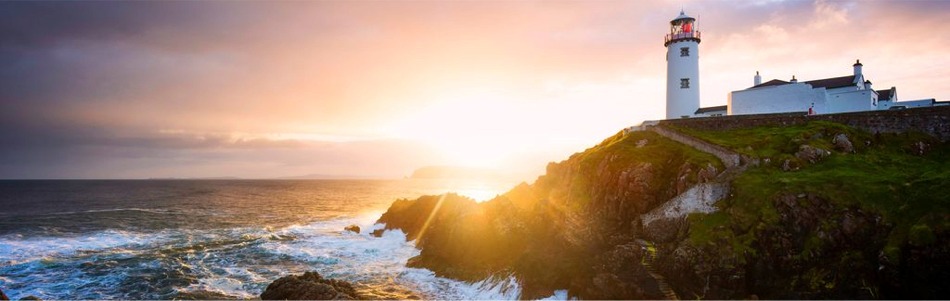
(574, 228)
(859, 222)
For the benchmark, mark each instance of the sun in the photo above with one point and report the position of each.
(477, 130)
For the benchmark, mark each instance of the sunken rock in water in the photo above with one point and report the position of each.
(352, 228)
(309, 286)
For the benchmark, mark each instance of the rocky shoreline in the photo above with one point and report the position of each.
(579, 226)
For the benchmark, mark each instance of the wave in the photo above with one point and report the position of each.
(154, 211)
(232, 263)
(15, 249)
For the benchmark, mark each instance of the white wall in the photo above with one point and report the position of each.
(853, 100)
(682, 102)
(776, 99)
(884, 104)
(915, 103)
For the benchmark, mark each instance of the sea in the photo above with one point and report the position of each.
(217, 239)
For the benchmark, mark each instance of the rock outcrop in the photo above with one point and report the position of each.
(567, 230)
(816, 220)
(352, 228)
(842, 143)
(811, 154)
(309, 286)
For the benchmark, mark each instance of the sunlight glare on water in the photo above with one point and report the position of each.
(217, 239)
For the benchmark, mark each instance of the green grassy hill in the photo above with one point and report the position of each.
(868, 222)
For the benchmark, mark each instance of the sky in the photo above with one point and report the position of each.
(376, 89)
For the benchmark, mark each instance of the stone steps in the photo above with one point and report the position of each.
(661, 283)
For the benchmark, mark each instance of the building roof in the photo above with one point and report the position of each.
(774, 82)
(710, 109)
(827, 83)
(834, 82)
(883, 94)
(682, 16)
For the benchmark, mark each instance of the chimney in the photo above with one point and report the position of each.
(857, 68)
(867, 85)
(758, 79)
(794, 80)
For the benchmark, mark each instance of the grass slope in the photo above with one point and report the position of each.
(886, 175)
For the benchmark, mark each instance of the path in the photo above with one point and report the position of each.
(699, 198)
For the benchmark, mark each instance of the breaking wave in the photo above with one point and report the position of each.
(225, 263)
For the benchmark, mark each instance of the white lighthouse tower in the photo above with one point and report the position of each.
(682, 67)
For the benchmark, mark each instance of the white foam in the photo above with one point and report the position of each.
(372, 261)
(558, 295)
(223, 285)
(17, 250)
(158, 211)
(48, 267)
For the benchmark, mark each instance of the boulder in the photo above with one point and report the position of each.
(789, 165)
(811, 154)
(3, 296)
(201, 295)
(309, 286)
(842, 144)
(920, 148)
(707, 174)
(378, 232)
(352, 228)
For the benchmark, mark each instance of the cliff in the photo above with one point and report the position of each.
(822, 210)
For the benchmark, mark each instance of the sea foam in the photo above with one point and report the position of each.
(235, 262)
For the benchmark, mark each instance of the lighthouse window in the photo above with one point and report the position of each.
(684, 51)
(684, 83)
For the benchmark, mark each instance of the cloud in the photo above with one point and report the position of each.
(87, 88)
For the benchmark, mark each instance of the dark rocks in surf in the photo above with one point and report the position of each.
(309, 286)
(202, 295)
(3, 296)
(352, 228)
(378, 232)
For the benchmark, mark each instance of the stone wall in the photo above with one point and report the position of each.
(729, 158)
(931, 120)
(698, 199)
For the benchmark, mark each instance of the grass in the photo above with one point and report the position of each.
(657, 150)
(884, 176)
(621, 151)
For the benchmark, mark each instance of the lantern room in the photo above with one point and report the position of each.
(682, 28)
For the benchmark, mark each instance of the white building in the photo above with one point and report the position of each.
(849, 93)
(682, 67)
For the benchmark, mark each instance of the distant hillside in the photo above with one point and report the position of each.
(454, 172)
(330, 177)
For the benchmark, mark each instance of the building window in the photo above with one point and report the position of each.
(684, 83)
(684, 51)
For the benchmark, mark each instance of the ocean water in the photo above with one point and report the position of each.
(215, 239)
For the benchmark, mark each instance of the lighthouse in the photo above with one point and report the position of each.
(682, 67)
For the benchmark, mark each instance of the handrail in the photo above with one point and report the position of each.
(680, 36)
